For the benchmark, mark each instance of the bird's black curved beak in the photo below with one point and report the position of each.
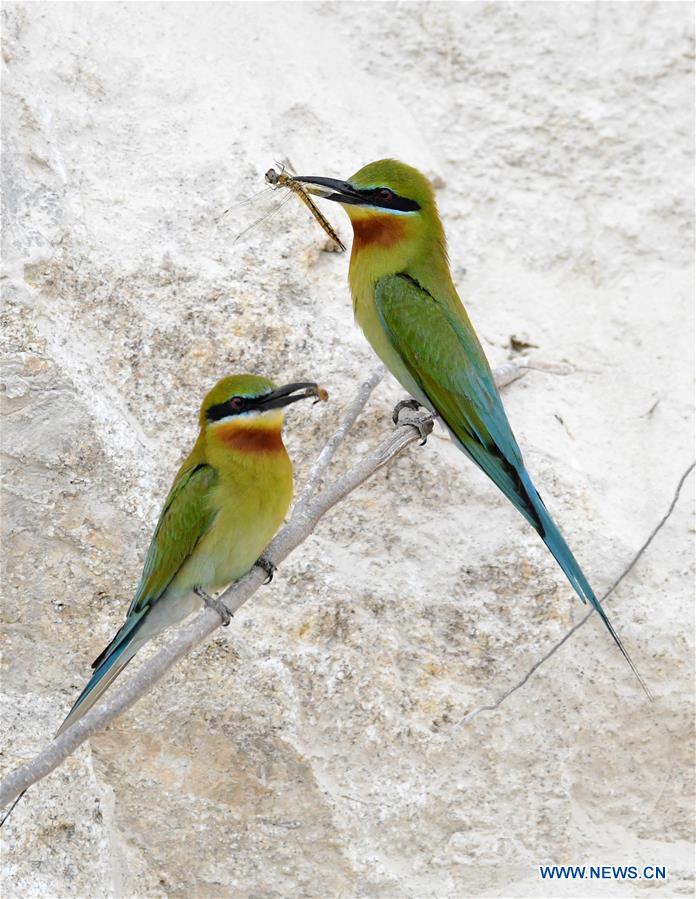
(291, 393)
(331, 189)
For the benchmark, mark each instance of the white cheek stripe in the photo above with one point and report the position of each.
(252, 413)
(382, 211)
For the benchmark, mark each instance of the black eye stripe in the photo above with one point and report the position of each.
(374, 196)
(224, 410)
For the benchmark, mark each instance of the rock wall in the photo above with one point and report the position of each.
(319, 746)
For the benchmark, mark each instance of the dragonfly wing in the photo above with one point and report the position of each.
(270, 209)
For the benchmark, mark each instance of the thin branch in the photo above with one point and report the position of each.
(322, 461)
(306, 513)
(518, 368)
(576, 627)
(658, 527)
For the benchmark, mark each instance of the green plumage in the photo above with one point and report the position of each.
(185, 518)
(447, 362)
(187, 515)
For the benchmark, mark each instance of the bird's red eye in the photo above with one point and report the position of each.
(236, 402)
(385, 195)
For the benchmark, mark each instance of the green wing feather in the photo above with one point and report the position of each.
(186, 516)
(442, 354)
(446, 360)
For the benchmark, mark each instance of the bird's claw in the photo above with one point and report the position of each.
(268, 567)
(424, 426)
(407, 412)
(411, 404)
(215, 604)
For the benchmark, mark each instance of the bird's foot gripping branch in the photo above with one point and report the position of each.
(215, 604)
(266, 565)
(413, 405)
(410, 412)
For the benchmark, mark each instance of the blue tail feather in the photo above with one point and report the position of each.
(107, 667)
(560, 550)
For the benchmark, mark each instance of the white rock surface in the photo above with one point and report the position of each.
(316, 747)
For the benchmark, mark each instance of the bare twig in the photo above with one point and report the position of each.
(322, 461)
(576, 627)
(518, 368)
(308, 509)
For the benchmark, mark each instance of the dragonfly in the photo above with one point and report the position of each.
(283, 179)
(289, 186)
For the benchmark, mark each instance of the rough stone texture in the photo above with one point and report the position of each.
(316, 747)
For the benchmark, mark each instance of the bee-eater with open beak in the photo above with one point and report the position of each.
(407, 305)
(228, 499)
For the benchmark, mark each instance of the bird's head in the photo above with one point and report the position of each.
(246, 411)
(392, 209)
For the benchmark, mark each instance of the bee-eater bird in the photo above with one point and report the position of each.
(407, 306)
(227, 501)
